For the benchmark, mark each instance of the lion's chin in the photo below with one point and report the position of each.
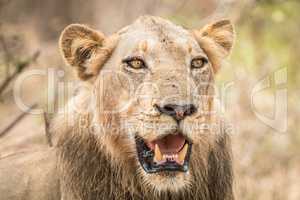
(168, 181)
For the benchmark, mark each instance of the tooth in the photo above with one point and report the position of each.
(157, 154)
(182, 153)
(173, 157)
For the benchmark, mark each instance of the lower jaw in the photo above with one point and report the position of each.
(145, 158)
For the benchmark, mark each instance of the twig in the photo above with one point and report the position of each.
(7, 55)
(48, 134)
(20, 67)
(17, 120)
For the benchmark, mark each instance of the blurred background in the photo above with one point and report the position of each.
(260, 79)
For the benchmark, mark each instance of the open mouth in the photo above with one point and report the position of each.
(171, 153)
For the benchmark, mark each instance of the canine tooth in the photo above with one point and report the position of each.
(157, 154)
(173, 157)
(182, 153)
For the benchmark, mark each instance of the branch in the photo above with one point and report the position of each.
(17, 120)
(7, 55)
(19, 68)
(48, 134)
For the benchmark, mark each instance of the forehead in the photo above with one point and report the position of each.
(159, 35)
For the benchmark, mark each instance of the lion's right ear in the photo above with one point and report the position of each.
(216, 40)
(85, 49)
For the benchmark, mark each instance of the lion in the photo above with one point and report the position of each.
(139, 126)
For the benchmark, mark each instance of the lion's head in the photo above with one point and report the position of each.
(151, 93)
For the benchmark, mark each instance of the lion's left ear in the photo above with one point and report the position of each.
(216, 40)
(86, 49)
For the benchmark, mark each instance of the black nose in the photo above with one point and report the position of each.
(178, 112)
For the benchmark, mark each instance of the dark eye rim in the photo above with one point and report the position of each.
(128, 61)
(203, 59)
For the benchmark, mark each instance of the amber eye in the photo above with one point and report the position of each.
(135, 63)
(198, 63)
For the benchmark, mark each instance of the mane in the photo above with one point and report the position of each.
(88, 172)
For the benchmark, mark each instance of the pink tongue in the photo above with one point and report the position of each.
(170, 144)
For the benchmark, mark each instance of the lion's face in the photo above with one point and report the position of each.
(153, 96)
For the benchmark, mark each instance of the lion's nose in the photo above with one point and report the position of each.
(178, 112)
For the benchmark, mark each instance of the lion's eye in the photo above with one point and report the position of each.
(198, 63)
(135, 63)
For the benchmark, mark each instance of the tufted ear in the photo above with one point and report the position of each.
(216, 40)
(85, 49)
